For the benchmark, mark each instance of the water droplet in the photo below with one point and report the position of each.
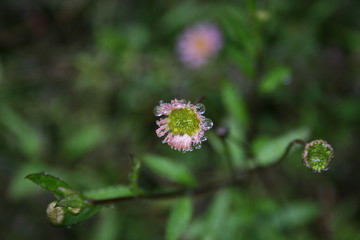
(207, 124)
(183, 101)
(200, 108)
(177, 105)
(203, 138)
(156, 111)
(197, 145)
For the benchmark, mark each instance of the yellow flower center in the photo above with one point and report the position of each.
(201, 45)
(183, 121)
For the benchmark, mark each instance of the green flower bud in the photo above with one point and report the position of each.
(317, 155)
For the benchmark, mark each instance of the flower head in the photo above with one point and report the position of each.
(317, 155)
(198, 44)
(55, 214)
(184, 125)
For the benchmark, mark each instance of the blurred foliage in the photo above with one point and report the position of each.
(78, 83)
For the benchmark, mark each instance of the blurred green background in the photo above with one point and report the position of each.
(79, 81)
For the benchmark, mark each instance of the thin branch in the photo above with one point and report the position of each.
(167, 195)
(197, 191)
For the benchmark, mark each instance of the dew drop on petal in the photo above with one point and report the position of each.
(203, 138)
(207, 124)
(183, 101)
(156, 111)
(178, 105)
(200, 108)
(197, 145)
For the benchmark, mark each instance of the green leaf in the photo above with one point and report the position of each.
(83, 140)
(169, 169)
(84, 214)
(244, 62)
(216, 143)
(233, 102)
(269, 149)
(72, 200)
(27, 137)
(296, 214)
(321, 11)
(51, 183)
(217, 214)
(109, 192)
(109, 225)
(20, 189)
(175, 18)
(179, 218)
(237, 154)
(274, 79)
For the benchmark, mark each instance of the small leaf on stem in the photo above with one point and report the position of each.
(51, 183)
(72, 200)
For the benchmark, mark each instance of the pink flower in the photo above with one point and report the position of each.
(198, 44)
(183, 125)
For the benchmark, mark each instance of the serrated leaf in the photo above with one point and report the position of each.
(51, 183)
(269, 149)
(72, 200)
(274, 78)
(180, 217)
(109, 192)
(233, 102)
(169, 169)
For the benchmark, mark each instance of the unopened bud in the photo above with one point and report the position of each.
(55, 214)
(317, 155)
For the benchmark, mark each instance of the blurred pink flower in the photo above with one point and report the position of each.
(184, 125)
(198, 44)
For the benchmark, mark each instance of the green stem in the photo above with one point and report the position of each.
(197, 191)
(168, 195)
